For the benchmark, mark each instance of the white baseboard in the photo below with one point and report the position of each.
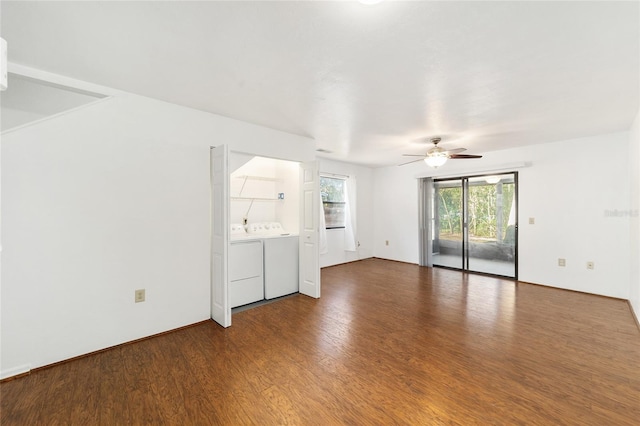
(15, 371)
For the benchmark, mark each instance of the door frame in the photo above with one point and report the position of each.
(309, 248)
(219, 219)
(309, 258)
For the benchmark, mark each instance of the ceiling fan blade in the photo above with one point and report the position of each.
(463, 156)
(414, 161)
(456, 150)
(413, 155)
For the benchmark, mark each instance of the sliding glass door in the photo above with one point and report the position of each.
(448, 241)
(475, 224)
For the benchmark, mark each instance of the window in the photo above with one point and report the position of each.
(333, 201)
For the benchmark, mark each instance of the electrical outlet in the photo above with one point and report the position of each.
(386, 242)
(139, 296)
(562, 262)
(532, 221)
(590, 265)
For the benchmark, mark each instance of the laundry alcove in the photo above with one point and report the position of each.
(264, 230)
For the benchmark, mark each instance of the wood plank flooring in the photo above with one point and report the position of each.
(388, 343)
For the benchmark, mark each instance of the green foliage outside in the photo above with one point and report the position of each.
(332, 189)
(483, 211)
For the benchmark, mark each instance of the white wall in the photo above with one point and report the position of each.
(568, 187)
(259, 197)
(634, 234)
(288, 210)
(100, 202)
(395, 203)
(364, 215)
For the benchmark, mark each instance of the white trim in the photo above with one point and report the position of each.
(58, 86)
(49, 117)
(334, 176)
(498, 168)
(21, 369)
(59, 80)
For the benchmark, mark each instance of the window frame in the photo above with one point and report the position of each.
(343, 203)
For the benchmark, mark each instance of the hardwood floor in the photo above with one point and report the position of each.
(388, 343)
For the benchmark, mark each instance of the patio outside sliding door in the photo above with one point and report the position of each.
(475, 224)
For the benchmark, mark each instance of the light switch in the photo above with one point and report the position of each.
(140, 296)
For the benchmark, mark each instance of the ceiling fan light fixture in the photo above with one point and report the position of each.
(437, 156)
(436, 159)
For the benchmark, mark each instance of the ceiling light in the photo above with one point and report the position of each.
(492, 179)
(436, 159)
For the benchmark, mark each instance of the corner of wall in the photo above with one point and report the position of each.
(15, 371)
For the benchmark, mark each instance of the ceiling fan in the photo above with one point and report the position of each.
(437, 156)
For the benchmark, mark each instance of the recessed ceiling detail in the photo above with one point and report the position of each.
(28, 100)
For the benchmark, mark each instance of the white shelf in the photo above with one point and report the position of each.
(254, 198)
(249, 177)
(246, 178)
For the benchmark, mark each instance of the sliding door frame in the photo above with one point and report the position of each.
(427, 217)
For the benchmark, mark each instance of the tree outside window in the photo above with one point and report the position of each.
(332, 191)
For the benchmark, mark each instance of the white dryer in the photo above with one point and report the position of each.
(246, 284)
(280, 266)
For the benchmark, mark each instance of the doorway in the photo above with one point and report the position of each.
(248, 269)
(474, 223)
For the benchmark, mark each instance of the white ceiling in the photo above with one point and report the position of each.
(363, 81)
